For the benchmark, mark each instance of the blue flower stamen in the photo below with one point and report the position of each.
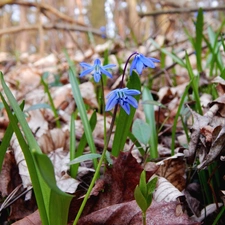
(123, 97)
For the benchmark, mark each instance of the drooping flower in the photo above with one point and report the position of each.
(97, 69)
(123, 97)
(140, 62)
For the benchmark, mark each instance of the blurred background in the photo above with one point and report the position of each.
(45, 26)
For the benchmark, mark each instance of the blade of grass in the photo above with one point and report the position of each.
(72, 145)
(42, 191)
(54, 110)
(198, 40)
(150, 119)
(195, 85)
(81, 107)
(177, 116)
(6, 140)
(83, 142)
(30, 164)
(172, 55)
(124, 121)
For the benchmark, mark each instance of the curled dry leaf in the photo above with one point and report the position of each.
(173, 169)
(165, 191)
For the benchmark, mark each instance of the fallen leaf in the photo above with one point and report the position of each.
(130, 214)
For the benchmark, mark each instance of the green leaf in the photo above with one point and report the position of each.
(198, 42)
(38, 106)
(172, 55)
(124, 121)
(81, 107)
(141, 130)
(59, 201)
(83, 158)
(151, 185)
(150, 119)
(136, 143)
(6, 139)
(142, 184)
(83, 141)
(140, 199)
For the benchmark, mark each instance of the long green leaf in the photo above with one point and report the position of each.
(6, 140)
(42, 191)
(124, 121)
(172, 55)
(150, 119)
(59, 201)
(81, 108)
(198, 42)
(37, 185)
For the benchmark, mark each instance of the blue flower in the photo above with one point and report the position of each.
(122, 96)
(140, 62)
(97, 69)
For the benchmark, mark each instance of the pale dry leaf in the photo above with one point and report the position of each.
(61, 94)
(173, 169)
(60, 160)
(206, 211)
(47, 61)
(88, 94)
(215, 150)
(165, 191)
(37, 123)
(20, 160)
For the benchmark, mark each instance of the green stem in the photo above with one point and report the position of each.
(96, 175)
(51, 103)
(103, 109)
(144, 218)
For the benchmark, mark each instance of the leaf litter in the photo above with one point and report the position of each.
(113, 192)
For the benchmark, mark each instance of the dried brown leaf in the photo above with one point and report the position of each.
(32, 219)
(173, 169)
(130, 214)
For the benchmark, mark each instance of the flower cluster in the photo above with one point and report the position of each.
(122, 96)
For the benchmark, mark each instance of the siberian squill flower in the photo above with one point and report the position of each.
(97, 69)
(140, 62)
(123, 97)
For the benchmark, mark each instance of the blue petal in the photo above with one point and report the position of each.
(126, 107)
(105, 72)
(147, 61)
(154, 60)
(109, 66)
(132, 101)
(112, 101)
(139, 66)
(85, 65)
(112, 92)
(97, 62)
(85, 72)
(132, 92)
(133, 64)
(97, 77)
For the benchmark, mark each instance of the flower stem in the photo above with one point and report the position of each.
(121, 83)
(144, 218)
(97, 169)
(103, 109)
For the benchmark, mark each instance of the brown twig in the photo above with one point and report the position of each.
(43, 7)
(57, 26)
(182, 10)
